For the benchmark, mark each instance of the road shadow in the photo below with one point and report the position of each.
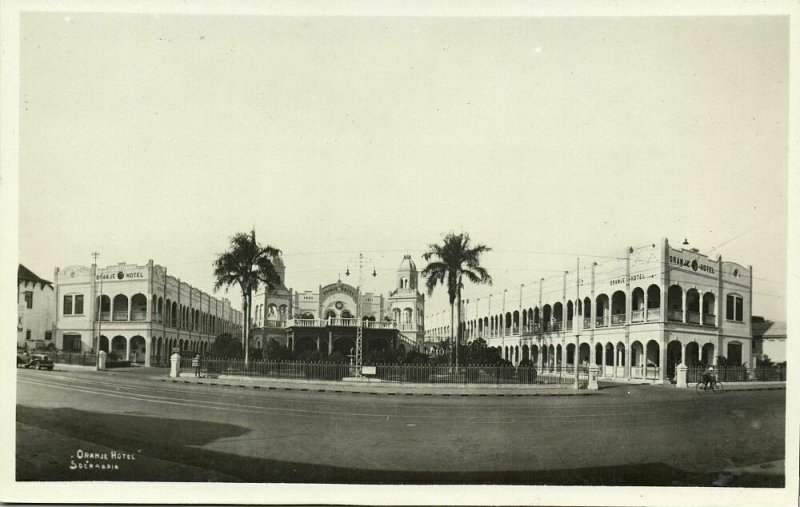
(170, 450)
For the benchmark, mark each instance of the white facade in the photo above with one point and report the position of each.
(138, 313)
(36, 309)
(636, 316)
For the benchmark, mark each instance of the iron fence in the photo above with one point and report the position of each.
(401, 373)
(79, 358)
(739, 374)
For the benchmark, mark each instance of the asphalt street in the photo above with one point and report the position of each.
(133, 427)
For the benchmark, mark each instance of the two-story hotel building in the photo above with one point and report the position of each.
(137, 312)
(636, 315)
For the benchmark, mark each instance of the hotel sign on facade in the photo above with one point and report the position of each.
(121, 275)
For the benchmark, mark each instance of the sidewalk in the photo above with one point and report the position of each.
(388, 388)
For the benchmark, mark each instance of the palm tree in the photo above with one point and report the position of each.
(246, 264)
(454, 260)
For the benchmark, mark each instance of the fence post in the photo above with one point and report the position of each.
(680, 375)
(593, 377)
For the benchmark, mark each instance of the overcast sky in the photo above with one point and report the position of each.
(548, 139)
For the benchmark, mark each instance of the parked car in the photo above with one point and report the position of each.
(31, 360)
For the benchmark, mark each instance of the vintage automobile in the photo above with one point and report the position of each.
(34, 360)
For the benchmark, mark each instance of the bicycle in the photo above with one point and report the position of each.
(715, 387)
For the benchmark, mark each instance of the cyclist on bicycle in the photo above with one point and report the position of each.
(709, 377)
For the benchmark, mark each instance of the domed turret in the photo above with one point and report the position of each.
(407, 275)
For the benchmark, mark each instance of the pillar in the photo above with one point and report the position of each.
(330, 343)
(683, 305)
(317, 343)
(680, 375)
(148, 346)
(662, 362)
(128, 346)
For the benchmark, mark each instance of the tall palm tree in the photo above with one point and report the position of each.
(454, 260)
(246, 264)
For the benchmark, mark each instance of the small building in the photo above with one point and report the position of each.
(36, 309)
(769, 340)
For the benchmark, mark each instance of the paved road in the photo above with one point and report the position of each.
(637, 435)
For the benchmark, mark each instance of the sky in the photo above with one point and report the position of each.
(548, 139)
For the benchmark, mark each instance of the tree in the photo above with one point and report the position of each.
(246, 264)
(454, 260)
(226, 346)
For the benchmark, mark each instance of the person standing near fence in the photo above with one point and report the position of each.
(196, 365)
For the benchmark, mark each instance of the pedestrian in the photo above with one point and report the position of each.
(196, 365)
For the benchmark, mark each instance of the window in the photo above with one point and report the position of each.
(27, 334)
(48, 335)
(734, 308)
(29, 298)
(73, 304)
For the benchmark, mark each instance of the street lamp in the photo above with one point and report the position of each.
(253, 277)
(359, 328)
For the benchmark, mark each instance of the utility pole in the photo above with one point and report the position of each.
(359, 356)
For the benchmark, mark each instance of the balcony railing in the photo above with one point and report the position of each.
(569, 325)
(653, 314)
(378, 324)
(637, 315)
(407, 326)
(306, 323)
(709, 320)
(123, 315)
(693, 317)
(557, 325)
(675, 315)
(139, 315)
(601, 322)
(587, 323)
(105, 315)
(618, 319)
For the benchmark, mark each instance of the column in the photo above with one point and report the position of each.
(330, 342)
(128, 347)
(317, 343)
(148, 347)
(644, 308)
(683, 353)
(616, 360)
(683, 304)
(662, 362)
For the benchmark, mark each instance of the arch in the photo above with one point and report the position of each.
(546, 317)
(585, 353)
(537, 321)
(346, 314)
(570, 314)
(103, 307)
(159, 350)
(653, 354)
(138, 307)
(609, 355)
(637, 353)
(637, 305)
(138, 349)
(560, 359)
(673, 357)
(174, 314)
(618, 308)
(598, 354)
(691, 355)
(653, 297)
(408, 315)
(516, 354)
(515, 321)
(621, 355)
(569, 355)
(525, 353)
(675, 303)
(119, 347)
(709, 309)
(602, 307)
(120, 307)
(103, 344)
(558, 316)
(693, 306)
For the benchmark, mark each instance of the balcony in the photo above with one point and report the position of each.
(675, 315)
(123, 315)
(637, 316)
(709, 320)
(693, 317)
(618, 319)
(139, 315)
(601, 322)
(587, 323)
(653, 314)
(557, 325)
(569, 325)
(406, 326)
(105, 316)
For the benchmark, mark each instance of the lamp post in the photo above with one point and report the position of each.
(251, 278)
(359, 327)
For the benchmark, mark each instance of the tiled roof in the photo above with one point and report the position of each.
(26, 275)
(769, 329)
